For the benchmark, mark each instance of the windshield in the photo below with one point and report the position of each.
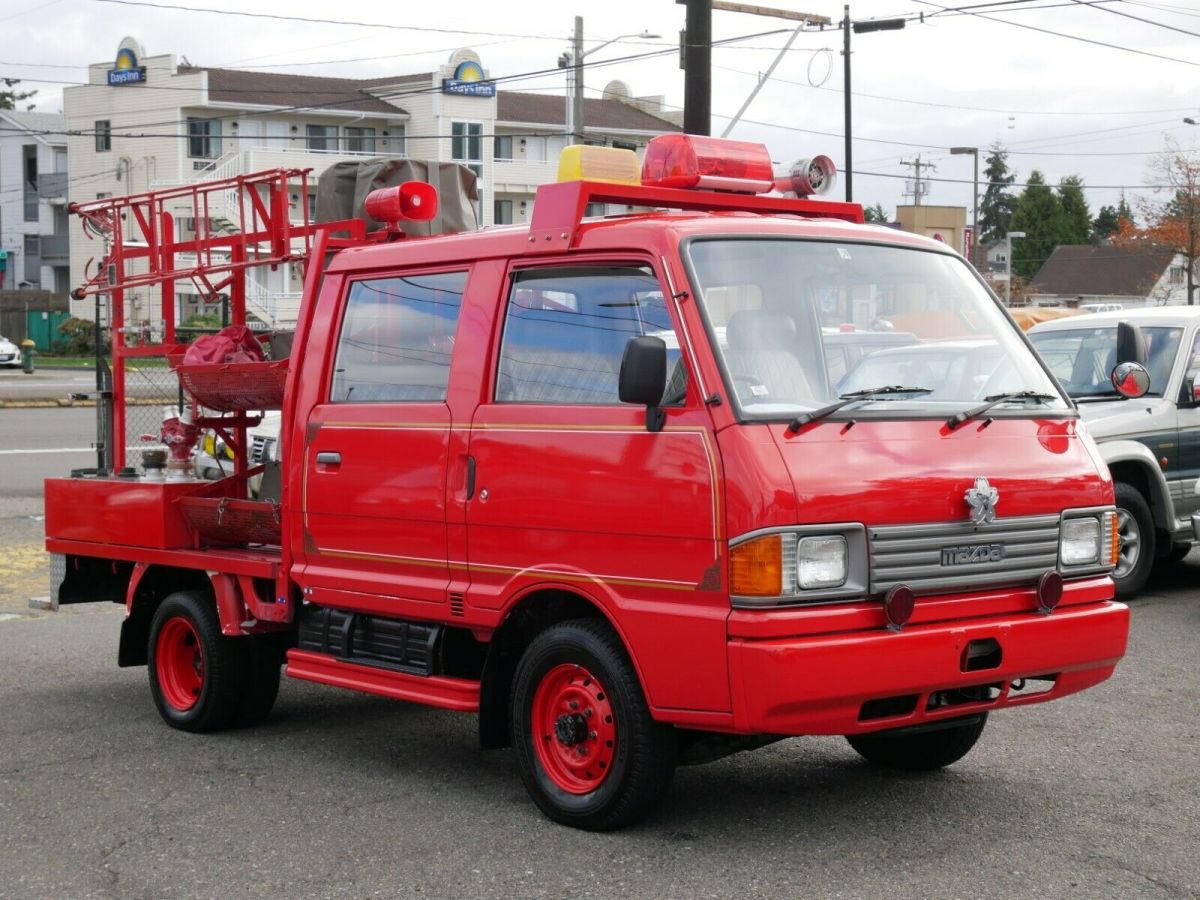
(1082, 359)
(799, 324)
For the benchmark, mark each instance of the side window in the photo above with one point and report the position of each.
(1193, 369)
(565, 332)
(396, 339)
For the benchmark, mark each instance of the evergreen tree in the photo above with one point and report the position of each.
(1123, 210)
(996, 207)
(1041, 216)
(1107, 222)
(876, 214)
(10, 97)
(1075, 205)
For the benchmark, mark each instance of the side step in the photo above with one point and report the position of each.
(460, 694)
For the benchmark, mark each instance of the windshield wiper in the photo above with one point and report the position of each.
(846, 399)
(994, 400)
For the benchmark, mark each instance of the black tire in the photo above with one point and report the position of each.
(262, 658)
(920, 752)
(186, 623)
(1178, 551)
(642, 751)
(1135, 557)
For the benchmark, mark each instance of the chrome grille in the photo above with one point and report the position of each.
(912, 554)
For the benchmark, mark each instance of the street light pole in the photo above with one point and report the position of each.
(577, 56)
(1008, 239)
(974, 151)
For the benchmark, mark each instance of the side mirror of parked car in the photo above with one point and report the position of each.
(1131, 347)
(1194, 388)
(1131, 379)
(643, 377)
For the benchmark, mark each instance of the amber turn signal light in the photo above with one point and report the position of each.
(756, 567)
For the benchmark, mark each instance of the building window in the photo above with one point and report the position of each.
(502, 214)
(204, 138)
(321, 137)
(504, 147)
(360, 140)
(466, 146)
(1177, 274)
(103, 131)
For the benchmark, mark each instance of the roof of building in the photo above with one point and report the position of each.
(550, 109)
(301, 91)
(1078, 269)
(39, 123)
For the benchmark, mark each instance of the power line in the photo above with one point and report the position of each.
(1117, 12)
(1028, 27)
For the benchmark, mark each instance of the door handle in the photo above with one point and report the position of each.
(329, 458)
(470, 477)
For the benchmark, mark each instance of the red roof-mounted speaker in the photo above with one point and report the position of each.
(413, 201)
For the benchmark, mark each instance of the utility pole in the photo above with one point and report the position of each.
(577, 97)
(849, 167)
(916, 165)
(697, 63)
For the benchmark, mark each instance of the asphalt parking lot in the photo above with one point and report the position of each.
(342, 795)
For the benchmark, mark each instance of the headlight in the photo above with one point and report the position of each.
(1089, 540)
(805, 565)
(1080, 542)
(821, 562)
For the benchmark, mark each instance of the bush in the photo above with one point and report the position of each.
(78, 337)
(202, 320)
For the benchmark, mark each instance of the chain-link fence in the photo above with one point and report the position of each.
(150, 387)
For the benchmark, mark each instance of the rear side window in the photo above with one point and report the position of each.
(565, 332)
(397, 338)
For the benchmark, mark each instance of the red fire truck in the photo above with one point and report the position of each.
(600, 479)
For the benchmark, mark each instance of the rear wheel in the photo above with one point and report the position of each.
(922, 751)
(1135, 552)
(587, 748)
(195, 671)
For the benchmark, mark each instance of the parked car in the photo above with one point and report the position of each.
(10, 353)
(213, 459)
(1152, 444)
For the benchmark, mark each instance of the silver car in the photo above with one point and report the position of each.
(1151, 444)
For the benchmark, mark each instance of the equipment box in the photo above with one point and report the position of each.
(123, 511)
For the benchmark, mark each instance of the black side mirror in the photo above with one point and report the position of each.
(1130, 345)
(643, 377)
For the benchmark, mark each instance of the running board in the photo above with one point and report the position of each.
(460, 694)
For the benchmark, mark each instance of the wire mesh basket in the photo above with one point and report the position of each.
(226, 521)
(236, 387)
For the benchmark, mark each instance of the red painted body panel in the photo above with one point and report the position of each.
(817, 685)
(120, 511)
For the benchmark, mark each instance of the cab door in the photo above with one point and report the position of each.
(1185, 480)
(572, 492)
(375, 454)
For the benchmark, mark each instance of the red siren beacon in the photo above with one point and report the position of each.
(694, 161)
(413, 201)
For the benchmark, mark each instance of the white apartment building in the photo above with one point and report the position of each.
(148, 122)
(33, 200)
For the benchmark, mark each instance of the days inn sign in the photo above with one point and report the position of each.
(468, 80)
(126, 69)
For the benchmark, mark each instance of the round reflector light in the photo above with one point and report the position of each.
(898, 606)
(1049, 591)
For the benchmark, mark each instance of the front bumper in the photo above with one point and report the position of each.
(856, 682)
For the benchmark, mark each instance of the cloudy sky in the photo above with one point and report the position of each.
(1033, 75)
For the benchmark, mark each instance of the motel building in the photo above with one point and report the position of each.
(147, 122)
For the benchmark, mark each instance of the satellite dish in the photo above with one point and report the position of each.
(617, 90)
(466, 54)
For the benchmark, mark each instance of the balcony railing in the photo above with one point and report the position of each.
(52, 186)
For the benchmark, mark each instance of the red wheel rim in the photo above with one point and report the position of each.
(574, 729)
(179, 663)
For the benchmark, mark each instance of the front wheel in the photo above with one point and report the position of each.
(923, 751)
(587, 748)
(1135, 533)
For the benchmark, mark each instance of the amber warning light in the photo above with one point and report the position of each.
(413, 200)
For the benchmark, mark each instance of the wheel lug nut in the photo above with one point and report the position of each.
(589, 712)
(574, 704)
(591, 735)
